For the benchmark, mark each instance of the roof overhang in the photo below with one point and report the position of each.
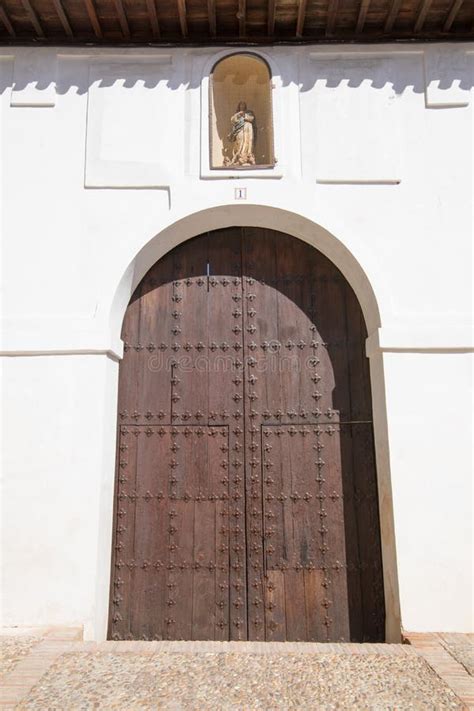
(241, 22)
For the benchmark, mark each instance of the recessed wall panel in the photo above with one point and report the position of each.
(134, 137)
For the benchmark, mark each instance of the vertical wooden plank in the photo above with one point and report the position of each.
(308, 490)
(275, 606)
(146, 559)
(295, 605)
(226, 406)
(357, 362)
(181, 516)
(259, 330)
(130, 365)
(119, 627)
(314, 593)
(353, 561)
(204, 578)
(294, 542)
(334, 539)
(331, 348)
(153, 348)
(371, 619)
(224, 317)
(189, 333)
(262, 348)
(218, 455)
(223, 577)
(182, 492)
(295, 335)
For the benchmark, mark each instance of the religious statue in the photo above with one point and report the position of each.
(242, 136)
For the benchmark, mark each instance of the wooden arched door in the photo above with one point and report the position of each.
(246, 496)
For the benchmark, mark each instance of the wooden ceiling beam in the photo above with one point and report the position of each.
(63, 18)
(332, 17)
(122, 18)
(453, 11)
(94, 19)
(392, 15)
(58, 23)
(153, 17)
(242, 17)
(363, 9)
(33, 18)
(211, 13)
(301, 17)
(422, 13)
(6, 21)
(183, 22)
(271, 17)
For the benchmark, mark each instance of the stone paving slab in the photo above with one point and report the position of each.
(14, 649)
(445, 664)
(193, 647)
(461, 647)
(28, 671)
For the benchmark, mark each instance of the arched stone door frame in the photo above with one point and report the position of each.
(305, 229)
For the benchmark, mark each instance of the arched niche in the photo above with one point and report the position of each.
(241, 77)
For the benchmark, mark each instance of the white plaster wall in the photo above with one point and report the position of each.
(429, 403)
(375, 169)
(58, 439)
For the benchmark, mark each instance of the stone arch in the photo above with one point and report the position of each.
(248, 216)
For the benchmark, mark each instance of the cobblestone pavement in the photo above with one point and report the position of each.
(67, 675)
(239, 681)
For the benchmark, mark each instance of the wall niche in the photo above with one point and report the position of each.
(241, 116)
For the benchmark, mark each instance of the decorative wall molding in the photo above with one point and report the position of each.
(363, 53)
(129, 119)
(58, 336)
(351, 97)
(34, 84)
(448, 78)
(419, 339)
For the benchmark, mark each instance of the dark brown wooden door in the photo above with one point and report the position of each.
(246, 497)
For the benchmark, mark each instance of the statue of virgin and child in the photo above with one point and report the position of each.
(242, 137)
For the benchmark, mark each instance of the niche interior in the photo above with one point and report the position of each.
(241, 115)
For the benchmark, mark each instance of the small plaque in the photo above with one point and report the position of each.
(240, 193)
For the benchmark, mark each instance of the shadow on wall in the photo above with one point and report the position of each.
(398, 71)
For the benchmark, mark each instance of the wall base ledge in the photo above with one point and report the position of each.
(423, 339)
(58, 336)
(113, 355)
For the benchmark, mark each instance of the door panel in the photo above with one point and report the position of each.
(303, 496)
(246, 499)
(171, 562)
